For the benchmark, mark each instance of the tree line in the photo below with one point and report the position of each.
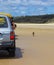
(34, 19)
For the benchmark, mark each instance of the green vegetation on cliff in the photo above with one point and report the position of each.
(35, 19)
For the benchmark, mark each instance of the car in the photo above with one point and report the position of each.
(11, 19)
(7, 35)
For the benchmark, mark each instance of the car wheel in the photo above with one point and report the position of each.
(12, 52)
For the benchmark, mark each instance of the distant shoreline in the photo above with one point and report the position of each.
(41, 26)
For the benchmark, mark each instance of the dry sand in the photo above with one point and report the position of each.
(37, 50)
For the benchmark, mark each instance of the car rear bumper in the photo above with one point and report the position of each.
(6, 45)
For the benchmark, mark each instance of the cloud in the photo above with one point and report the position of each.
(9, 1)
(16, 11)
(25, 6)
(23, 12)
(27, 2)
(41, 8)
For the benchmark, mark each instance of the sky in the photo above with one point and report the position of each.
(27, 7)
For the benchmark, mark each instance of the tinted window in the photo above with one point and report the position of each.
(3, 22)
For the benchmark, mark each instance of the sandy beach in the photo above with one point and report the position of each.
(37, 50)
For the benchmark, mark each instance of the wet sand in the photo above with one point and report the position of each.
(37, 50)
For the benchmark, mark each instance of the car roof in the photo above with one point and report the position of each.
(3, 16)
(6, 14)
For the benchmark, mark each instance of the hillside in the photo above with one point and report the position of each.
(35, 19)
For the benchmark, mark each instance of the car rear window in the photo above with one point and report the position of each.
(3, 22)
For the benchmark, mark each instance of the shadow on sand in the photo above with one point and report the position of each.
(18, 54)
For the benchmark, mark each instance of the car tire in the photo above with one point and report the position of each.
(14, 45)
(12, 52)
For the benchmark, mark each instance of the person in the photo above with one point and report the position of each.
(33, 34)
(13, 25)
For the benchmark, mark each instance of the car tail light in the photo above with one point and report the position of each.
(12, 36)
